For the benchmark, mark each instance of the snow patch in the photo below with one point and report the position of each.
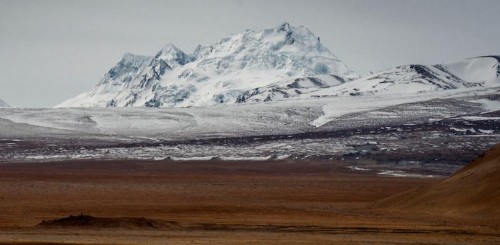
(478, 118)
(358, 168)
(342, 105)
(399, 173)
(489, 105)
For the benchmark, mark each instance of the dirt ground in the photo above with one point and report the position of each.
(218, 202)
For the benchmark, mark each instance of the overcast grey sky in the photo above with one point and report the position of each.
(53, 50)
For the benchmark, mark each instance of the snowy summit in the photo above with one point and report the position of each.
(249, 66)
(3, 104)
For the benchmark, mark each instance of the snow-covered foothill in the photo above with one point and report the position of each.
(416, 78)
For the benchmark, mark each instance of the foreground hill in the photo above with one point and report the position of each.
(474, 190)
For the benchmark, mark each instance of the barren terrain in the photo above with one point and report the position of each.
(215, 202)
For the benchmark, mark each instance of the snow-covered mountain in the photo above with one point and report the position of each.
(3, 104)
(267, 65)
(249, 66)
(474, 72)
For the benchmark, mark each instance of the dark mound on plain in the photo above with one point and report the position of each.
(474, 191)
(87, 221)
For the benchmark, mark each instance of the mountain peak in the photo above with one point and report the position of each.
(173, 56)
(284, 27)
(3, 104)
(129, 63)
(131, 58)
(168, 48)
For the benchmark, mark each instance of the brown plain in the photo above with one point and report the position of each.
(223, 202)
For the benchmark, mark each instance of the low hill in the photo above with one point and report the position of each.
(474, 191)
(87, 221)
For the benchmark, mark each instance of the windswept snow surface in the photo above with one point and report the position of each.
(282, 117)
(346, 105)
(342, 105)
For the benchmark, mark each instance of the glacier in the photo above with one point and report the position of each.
(433, 132)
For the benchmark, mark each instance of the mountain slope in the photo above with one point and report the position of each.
(473, 72)
(113, 82)
(286, 58)
(484, 70)
(474, 190)
(3, 104)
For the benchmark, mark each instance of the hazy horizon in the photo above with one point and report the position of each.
(53, 50)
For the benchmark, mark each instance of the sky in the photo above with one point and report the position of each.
(52, 50)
